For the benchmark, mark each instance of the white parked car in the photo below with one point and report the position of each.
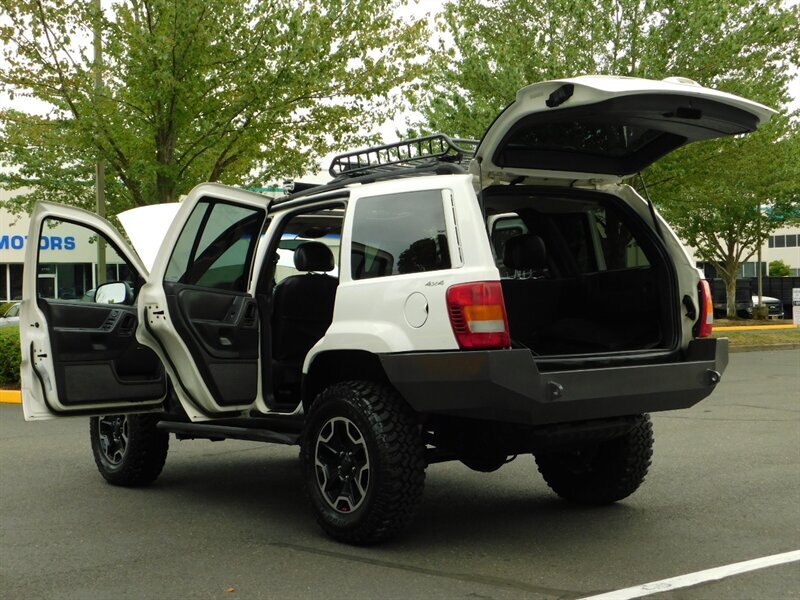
(10, 316)
(774, 305)
(431, 330)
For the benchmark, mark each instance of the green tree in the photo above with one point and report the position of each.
(778, 268)
(713, 192)
(198, 90)
(737, 191)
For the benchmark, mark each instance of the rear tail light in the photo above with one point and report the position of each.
(478, 315)
(706, 321)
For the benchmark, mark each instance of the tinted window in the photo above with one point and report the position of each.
(620, 249)
(215, 248)
(600, 139)
(398, 234)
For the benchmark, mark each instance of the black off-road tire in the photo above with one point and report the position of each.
(128, 449)
(363, 462)
(604, 472)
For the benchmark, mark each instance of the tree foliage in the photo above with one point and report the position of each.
(713, 191)
(778, 268)
(237, 91)
(738, 191)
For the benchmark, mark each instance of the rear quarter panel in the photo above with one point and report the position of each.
(370, 314)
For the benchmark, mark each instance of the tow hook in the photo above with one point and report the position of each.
(555, 389)
(713, 377)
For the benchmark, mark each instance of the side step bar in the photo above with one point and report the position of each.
(223, 432)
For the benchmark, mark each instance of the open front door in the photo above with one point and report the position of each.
(80, 355)
(197, 310)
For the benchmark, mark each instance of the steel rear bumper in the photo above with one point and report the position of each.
(507, 385)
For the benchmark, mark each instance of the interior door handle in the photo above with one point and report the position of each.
(223, 341)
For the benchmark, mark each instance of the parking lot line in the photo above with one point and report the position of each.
(690, 579)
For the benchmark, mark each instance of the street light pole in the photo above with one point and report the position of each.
(100, 174)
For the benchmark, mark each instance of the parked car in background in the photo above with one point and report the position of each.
(774, 304)
(10, 316)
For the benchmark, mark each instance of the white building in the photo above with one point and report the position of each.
(68, 256)
(783, 244)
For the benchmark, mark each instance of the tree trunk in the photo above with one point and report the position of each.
(730, 293)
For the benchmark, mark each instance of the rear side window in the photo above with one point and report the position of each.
(620, 249)
(591, 241)
(215, 248)
(398, 234)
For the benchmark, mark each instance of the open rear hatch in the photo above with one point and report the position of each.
(607, 128)
(586, 279)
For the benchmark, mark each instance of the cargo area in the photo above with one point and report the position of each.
(581, 273)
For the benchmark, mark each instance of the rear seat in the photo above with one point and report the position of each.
(531, 298)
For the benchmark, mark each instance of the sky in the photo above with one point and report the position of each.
(416, 9)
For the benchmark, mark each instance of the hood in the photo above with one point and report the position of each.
(146, 228)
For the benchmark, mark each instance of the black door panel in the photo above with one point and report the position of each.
(223, 322)
(220, 328)
(96, 356)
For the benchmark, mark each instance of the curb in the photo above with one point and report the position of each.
(10, 397)
(753, 327)
(769, 347)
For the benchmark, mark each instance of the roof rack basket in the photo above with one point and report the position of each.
(426, 150)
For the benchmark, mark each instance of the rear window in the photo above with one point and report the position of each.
(599, 139)
(397, 234)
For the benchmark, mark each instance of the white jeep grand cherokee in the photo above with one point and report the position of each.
(450, 300)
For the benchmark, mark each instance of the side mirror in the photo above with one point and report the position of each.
(114, 292)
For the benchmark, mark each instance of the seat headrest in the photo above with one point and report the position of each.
(526, 251)
(313, 256)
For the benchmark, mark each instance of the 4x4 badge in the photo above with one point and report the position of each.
(433, 283)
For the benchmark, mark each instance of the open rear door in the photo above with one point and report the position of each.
(198, 311)
(80, 355)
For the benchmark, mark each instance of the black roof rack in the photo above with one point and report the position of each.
(430, 149)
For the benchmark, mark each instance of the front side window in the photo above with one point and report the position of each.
(215, 248)
(70, 261)
(398, 234)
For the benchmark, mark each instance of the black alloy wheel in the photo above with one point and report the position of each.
(129, 450)
(363, 461)
(342, 464)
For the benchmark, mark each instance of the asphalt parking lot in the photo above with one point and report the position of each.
(229, 519)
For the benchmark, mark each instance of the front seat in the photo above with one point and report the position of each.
(303, 304)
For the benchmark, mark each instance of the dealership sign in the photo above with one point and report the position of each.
(47, 242)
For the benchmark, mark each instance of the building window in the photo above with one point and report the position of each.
(3, 283)
(791, 241)
(750, 269)
(780, 241)
(772, 241)
(15, 281)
